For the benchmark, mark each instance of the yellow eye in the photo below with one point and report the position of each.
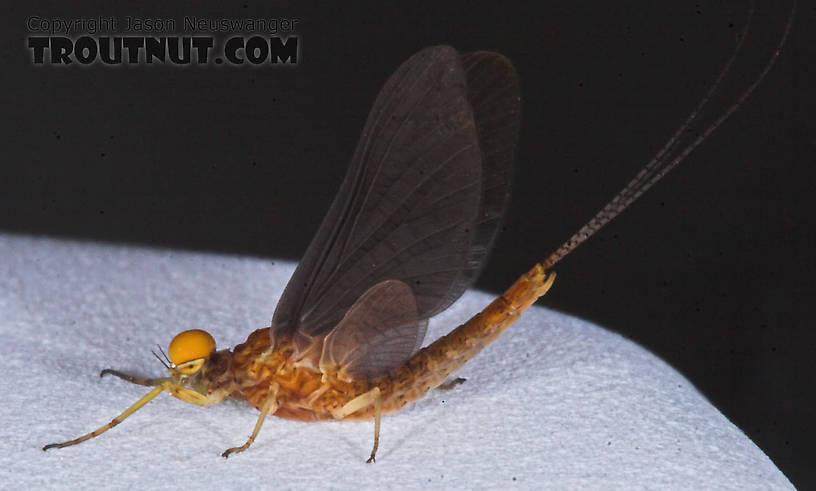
(190, 345)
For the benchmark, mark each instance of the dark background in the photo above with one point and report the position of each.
(712, 270)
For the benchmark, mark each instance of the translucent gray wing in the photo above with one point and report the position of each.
(422, 200)
(378, 329)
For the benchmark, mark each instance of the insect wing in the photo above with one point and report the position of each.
(380, 330)
(494, 97)
(422, 199)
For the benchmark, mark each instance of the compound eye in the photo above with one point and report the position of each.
(190, 345)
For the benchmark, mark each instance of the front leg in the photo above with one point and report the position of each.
(176, 388)
(147, 382)
(192, 396)
(115, 421)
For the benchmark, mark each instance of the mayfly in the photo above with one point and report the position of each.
(406, 235)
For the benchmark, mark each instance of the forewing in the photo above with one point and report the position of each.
(422, 199)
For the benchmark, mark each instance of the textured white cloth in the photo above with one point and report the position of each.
(555, 403)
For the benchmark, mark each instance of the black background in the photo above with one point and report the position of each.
(712, 270)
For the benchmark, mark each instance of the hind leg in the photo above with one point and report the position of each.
(371, 398)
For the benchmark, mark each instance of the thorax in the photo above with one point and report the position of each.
(304, 393)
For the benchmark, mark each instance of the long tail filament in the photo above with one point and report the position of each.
(670, 155)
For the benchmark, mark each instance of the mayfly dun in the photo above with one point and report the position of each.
(406, 235)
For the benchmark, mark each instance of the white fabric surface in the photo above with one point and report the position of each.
(555, 403)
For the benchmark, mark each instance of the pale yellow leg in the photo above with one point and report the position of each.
(115, 421)
(377, 414)
(363, 401)
(270, 405)
(360, 402)
(163, 384)
(147, 382)
(191, 396)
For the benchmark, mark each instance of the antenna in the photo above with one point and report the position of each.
(669, 156)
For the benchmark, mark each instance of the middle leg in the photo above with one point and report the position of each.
(270, 405)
